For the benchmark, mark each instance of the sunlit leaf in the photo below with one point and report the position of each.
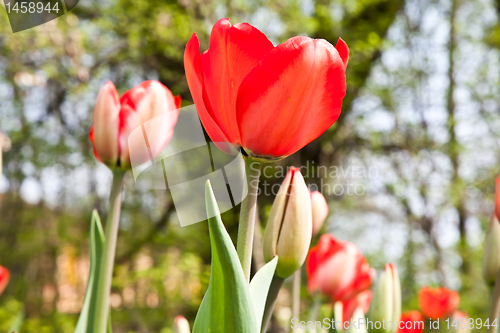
(259, 287)
(227, 305)
(96, 245)
(18, 322)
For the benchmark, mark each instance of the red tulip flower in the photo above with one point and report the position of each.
(438, 303)
(269, 101)
(411, 322)
(4, 278)
(115, 118)
(361, 301)
(497, 198)
(338, 269)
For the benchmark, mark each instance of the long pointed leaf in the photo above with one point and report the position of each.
(18, 321)
(226, 306)
(96, 246)
(259, 288)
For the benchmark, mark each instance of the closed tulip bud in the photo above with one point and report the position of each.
(319, 211)
(289, 228)
(181, 325)
(4, 278)
(5, 145)
(386, 305)
(460, 322)
(491, 255)
(115, 118)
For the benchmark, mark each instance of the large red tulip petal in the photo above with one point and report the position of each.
(234, 51)
(194, 76)
(130, 119)
(354, 277)
(343, 51)
(353, 274)
(161, 107)
(318, 255)
(149, 100)
(106, 124)
(361, 301)
(4, 278)
(291, 97)
(91, 137)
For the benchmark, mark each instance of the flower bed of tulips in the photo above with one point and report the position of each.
(264, 102)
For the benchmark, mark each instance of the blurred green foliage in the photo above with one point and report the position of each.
(398, 116)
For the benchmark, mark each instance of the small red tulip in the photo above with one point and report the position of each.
(115, 118)
(497, 198)
(269, 101)
(411, 322)
(338, 269)
(181, 325)
(4, 278)
(438, 303)
(361, 301)
(319, 210)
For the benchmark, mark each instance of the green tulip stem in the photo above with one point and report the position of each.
(495, 305)
(333, 328)
(247, 217)
(317, 300)
(296, 294)
(272, 296)
(108, 255)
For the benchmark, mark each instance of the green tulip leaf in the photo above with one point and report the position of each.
(259, 287)
(227, 305)
(18, 322)
(86, 318)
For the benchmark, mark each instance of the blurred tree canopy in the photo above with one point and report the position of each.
(421, 111)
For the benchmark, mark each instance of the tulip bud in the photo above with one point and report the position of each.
(289, 228)
(5, 145)
(319, 211)
(105, 130)
(181, 325)
(491, 255)
(386, 305)
(4, 278)
(460, 322)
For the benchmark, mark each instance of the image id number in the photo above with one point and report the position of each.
(32, 7)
